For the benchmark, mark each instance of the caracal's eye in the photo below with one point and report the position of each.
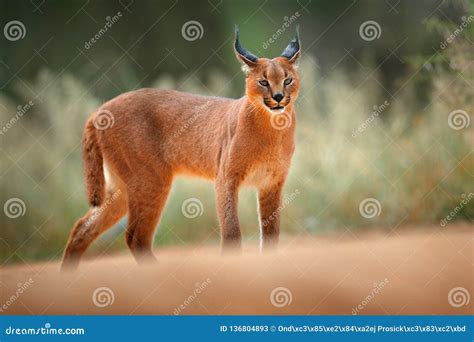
(263, 83)
(288, 81)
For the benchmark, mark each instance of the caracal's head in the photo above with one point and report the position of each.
(271, 84)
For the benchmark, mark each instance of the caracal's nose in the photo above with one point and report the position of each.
(278, 97)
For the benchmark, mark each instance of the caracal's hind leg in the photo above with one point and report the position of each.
(147, 198)
(92, 224)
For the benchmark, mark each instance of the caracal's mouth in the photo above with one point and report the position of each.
(277, 109)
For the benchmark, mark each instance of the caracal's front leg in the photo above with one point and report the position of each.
(226, 201)
(269, 200)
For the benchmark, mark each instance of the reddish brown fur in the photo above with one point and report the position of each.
(93, 170)
(159, 134)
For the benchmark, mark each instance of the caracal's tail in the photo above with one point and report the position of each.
(93, 165)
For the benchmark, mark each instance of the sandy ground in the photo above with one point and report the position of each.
(400, 273)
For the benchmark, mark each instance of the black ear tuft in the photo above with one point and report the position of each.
(243, 54)
(293, 50)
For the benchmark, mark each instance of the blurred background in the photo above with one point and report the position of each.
(384, 132)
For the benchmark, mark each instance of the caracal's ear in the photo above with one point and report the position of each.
(293, 50)
(248, 59)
